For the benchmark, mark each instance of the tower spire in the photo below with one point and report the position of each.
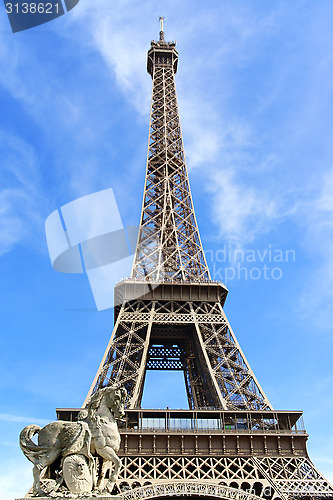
(162, 19)
(169, 245)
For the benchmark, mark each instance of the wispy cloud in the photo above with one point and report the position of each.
(7, 417)
(119, 34)
(67, 121)
(118, 31)
(241, 212)
(316, 219)
(19, 195)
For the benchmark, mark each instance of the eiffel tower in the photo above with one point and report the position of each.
(231, 442)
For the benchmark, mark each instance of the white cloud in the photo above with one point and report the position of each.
(316, 219)
(119, 33)
(203, 132)
(318, 214)
(324, 203)
(7, 417)
(19, 196)
(241, 212)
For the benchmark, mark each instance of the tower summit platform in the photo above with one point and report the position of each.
(162, 53)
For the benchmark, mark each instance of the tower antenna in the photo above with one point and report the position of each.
(162, 19)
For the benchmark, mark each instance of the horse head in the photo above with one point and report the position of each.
(116, 397)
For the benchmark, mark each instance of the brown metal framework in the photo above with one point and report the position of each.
(169, 249)
(169, 245)
(190, 333)
(240, 455)
(169, 315)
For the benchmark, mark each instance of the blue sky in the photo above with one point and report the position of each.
(255, 95)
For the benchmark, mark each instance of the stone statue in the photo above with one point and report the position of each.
(79, 447)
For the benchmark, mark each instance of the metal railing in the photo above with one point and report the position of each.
(182, 430)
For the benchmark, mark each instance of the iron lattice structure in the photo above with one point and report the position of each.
(169, 315)
(169, 250)
(169, 245)
(190, 335)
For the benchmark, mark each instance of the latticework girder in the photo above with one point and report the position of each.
(278, 478)
(201, 343)
(169, 245)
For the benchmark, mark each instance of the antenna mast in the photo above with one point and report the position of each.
(161, 19)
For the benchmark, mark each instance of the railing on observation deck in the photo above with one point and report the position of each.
(214, 422)
(169, 281)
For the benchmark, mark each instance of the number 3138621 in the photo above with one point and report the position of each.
(32, 8)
